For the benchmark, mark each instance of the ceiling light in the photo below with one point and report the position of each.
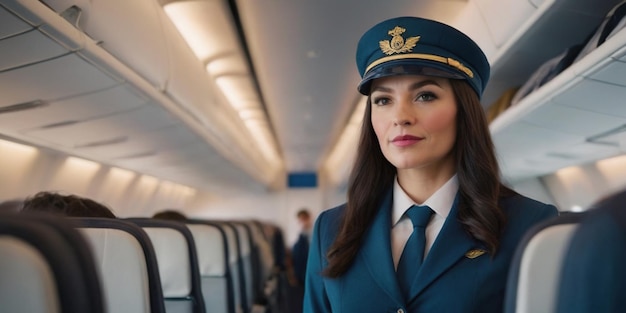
(209, 29)
(82, 165)
(13, 148)
(206, 26)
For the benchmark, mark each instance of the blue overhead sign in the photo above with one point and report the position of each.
(302, 180)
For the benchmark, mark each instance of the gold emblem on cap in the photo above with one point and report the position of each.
(474, 253)
(397, 44)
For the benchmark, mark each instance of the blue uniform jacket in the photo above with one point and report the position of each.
(449, 281)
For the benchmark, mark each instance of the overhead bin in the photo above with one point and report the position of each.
(143, 119)
(144, 39)
(594, 129)
(553, 27)
(10, 24)
(129, 30)
(58, 78)
(125, 55)
(74, 109)
(27, 48)
(46, 21)
(144, 143)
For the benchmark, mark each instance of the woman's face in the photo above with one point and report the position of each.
(414, 118)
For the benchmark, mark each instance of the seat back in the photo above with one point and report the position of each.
(127, 264)
(261, 260)
(216, 281)
(534, 275)
(46, 266)
(177, 260)
(593, 273)
(245, 266)
(234, 260)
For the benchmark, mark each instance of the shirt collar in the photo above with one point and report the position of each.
(440, 202)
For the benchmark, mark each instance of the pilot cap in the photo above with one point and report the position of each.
(417, 46)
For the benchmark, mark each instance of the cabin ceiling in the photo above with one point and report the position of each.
(302, 53)
(144, 103)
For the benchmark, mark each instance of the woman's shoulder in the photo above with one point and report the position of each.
(523, 213)
(519, 206)
(328, 222)
(331, 216)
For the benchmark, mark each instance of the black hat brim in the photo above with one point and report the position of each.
(406, 67)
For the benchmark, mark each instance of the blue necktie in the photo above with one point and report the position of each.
(413, 252)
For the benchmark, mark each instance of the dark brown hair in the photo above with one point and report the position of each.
(477, 170)
(67, 205)
(303, 214)
(171, 215)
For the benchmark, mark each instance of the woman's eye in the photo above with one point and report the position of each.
(381, 101)
(426, 96)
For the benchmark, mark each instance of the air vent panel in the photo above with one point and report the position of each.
(58, 78)
(28, 48)
(10, 24)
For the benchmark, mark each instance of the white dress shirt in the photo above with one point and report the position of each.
(440, 202)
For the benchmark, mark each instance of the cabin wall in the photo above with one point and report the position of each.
(575, 188)
(26, 170)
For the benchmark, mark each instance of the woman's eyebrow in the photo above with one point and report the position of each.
(424, 83)
(414, 86)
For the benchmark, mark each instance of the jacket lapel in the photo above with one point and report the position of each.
(451, 245)
(376, 251)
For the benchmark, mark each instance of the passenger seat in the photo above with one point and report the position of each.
(46, 266)
(127, 262)
(177, 260)
(215, 278)
(533, 279)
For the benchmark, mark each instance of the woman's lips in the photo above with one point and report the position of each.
(405, 140)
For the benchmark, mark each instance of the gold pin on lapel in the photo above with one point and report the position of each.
(474, 253)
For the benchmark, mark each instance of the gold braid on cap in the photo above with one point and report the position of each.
(399, 45)
(431, 57)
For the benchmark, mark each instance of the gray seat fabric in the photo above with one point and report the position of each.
(233, 266)
(262, 260)
(245, 251)
(213, 263)
(177, 260)
(127, 263)
(534, 276)
(46, 266)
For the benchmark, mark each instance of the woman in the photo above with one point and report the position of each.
(424, 142)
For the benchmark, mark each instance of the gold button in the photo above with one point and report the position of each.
(400, 311)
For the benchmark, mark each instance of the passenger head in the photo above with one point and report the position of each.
(172, 215)
(67, 205)
(304, 219)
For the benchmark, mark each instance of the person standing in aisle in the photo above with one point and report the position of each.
(428, 225)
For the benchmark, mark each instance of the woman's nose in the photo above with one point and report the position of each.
(403, 115)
